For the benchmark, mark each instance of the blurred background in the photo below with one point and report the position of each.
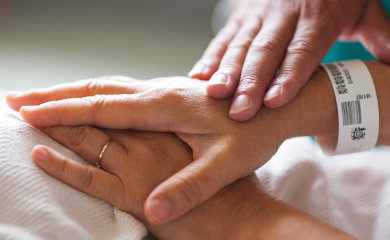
(46, 42)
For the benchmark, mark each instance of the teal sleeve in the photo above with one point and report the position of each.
(342, 51)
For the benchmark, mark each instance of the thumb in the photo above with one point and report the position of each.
(374, 31)
(188, 188)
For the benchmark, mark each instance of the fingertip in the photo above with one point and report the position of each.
(218, 86)
(242, 116)
(158, 210)
(278, 96)
(384, 54)
(13, 100)
(274, 103)
(40, 154)
(202, 72)
(272, 98)
(27, 113)
(244, 108)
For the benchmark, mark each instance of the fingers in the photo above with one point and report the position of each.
(194, 184)
(138, 111)
(304, 53)
(86, 178)
(261, 63)
(91, 87)
(88, 142)
(224, 82)
(374, 31)
(211, 58)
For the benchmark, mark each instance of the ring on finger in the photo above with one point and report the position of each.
(102, 153)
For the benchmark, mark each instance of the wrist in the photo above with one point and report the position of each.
(313, 112)
(380, 74)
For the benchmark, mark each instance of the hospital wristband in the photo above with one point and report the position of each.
(357, 106)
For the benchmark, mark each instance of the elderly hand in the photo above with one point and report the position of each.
(136, 162)
(277, 45)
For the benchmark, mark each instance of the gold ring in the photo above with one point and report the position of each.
(102, 153)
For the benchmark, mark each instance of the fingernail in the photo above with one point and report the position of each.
(218, 79)
(160, 209)
(28, 108)
(197, 69)
(14, 93)
(272, 92)
(41, 154)
(240, 104)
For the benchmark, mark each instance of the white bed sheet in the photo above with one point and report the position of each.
(34, 205)
(351, 192)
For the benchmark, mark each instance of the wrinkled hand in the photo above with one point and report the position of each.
(264, 36)
(223, 150)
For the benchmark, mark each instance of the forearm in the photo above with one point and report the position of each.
(251, 214)
(314, 112)
(243, 211)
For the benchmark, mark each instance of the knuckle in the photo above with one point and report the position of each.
(61, 169)
(89, 179)
(322, 9)
(38, 93)
(96, 104)
(265, 44)
(169, 93)
(78, 136)
(233, 68)
(242, 44)
(190, 190)
(249, 79)
(303, 46)
(59, 107)
(91, 87)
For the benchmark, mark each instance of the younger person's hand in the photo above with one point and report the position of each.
(134, 163)
(224, 150)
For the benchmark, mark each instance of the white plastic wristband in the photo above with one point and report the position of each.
(357, 106)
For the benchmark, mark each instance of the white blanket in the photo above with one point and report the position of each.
(34, 205)
(351, 192)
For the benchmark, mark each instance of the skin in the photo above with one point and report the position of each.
(136, 162)
(291, 37)
(182, 106)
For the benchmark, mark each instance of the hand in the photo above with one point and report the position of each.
(136, 162)
(170, 105)
(182, 106)
(264, 36)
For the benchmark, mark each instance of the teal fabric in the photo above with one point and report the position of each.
(342, 51)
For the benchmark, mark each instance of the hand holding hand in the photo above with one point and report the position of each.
(136, 162)
(269, 48)
(223, 150)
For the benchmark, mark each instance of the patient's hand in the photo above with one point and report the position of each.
(177, 105)
(134, 163)
(223, 150)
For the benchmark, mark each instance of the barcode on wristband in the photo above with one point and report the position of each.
(352, 113)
